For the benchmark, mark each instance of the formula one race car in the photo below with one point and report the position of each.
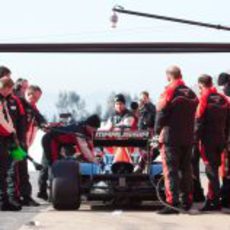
(109, 181)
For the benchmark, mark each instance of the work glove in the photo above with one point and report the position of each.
(18, 154)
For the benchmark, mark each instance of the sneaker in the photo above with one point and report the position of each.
(10, 205)
(167, 211)
(43, 195)
(210, 206)
(29, 201)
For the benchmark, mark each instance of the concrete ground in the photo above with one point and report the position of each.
(14, 220)
(101, 217)
(86, 219)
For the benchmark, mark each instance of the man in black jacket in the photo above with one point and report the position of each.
(224, 82)
(146, 120)
(32, 121)
(210, 131)
(175, 123)
(7, 164)
(147, 112)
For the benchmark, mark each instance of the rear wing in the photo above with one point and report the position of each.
(121, 138)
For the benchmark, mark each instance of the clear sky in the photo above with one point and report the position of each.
(95, 75)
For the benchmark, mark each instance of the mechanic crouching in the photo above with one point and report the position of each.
(210, 131)
(78, 134)
(175, 123)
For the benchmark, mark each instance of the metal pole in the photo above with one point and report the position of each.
(120, 9)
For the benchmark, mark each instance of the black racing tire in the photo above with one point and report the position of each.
(65, 194)
(65, 186)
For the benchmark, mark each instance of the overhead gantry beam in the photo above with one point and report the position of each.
(115, 48)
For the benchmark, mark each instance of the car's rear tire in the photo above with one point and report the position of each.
(65, 194)
(65, 187)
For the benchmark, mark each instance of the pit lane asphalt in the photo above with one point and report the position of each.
(101, 217)
(86, 219)
(14, 220)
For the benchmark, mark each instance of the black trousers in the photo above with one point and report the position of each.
(212, 152)
(43, 175)
(225, 168)
(197, 188)
(8, 187)
(25, 187)
(46, 161)
(177, 173)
